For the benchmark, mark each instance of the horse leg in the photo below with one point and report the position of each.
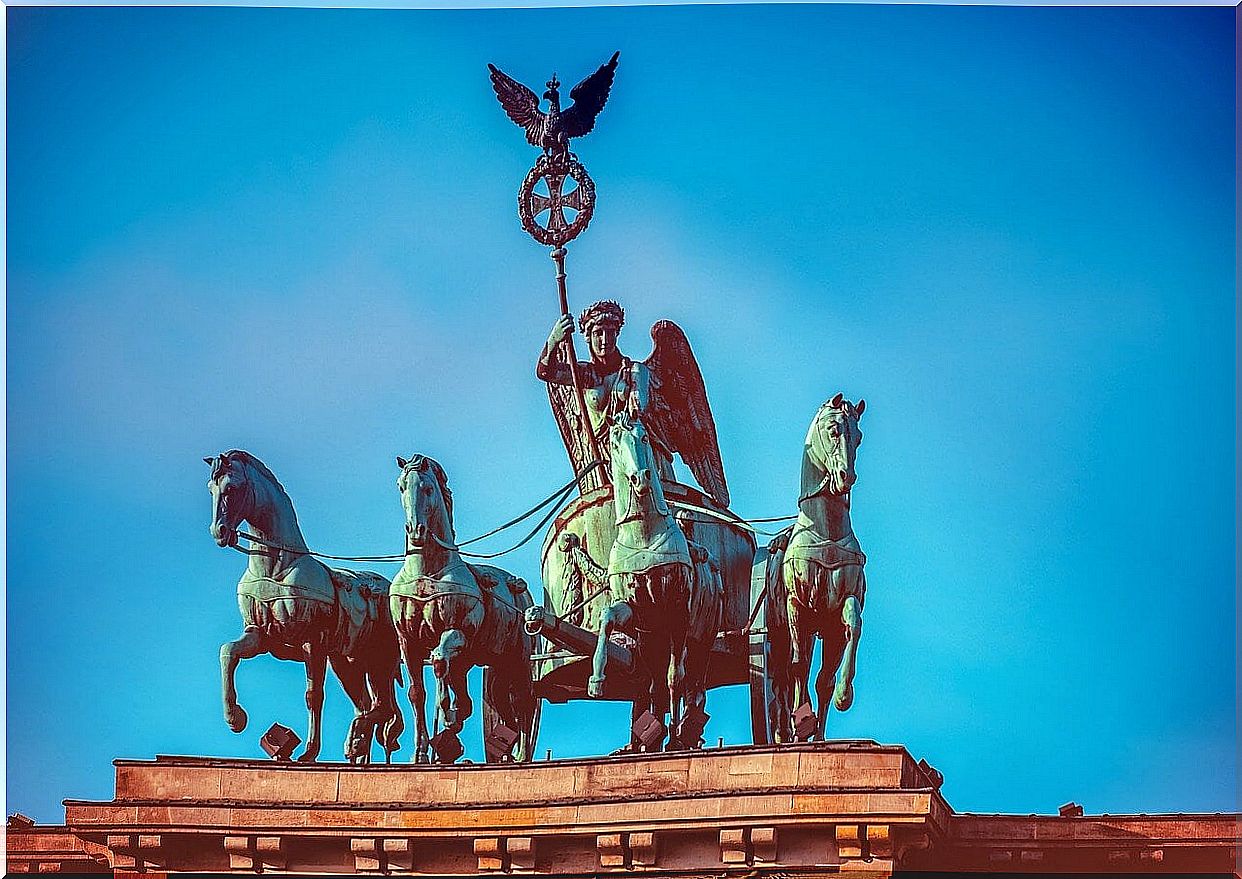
(417, 696)
(832, 645)
(463, 705)
(353, 681)
(801, 645)
(249, 645)
(851, 616)
(615, 617)
(384, 697)
(524, 711)
(676, 692)
(316, 669)
(444, 665)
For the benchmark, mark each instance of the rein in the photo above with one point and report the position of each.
(554, 499)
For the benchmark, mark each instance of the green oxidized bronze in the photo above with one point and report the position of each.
(295, 607)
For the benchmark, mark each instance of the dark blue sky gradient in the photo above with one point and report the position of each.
(1011, 230)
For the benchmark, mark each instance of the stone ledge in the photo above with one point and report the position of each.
(847, 809)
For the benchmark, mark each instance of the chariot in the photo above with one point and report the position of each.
(573, 603)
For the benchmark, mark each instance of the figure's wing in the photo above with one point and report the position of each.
(519, 102)
(589, 98)
(680, 406)
(565, 409)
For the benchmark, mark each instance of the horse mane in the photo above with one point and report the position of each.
(258, 465)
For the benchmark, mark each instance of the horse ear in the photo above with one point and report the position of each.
(401, 462)
(209, 461)
(862, 404)
(836, 401)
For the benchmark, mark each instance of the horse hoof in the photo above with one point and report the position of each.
(236, 718)
(309, 756)
(843, 698)
(595, 687)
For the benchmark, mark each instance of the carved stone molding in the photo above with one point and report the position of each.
(253, 853)
(514, 854)
(382, 855)
(626, 850)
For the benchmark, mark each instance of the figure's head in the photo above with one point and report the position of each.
(832, 442)
(230, 496)
(601, 324)
(427, 500)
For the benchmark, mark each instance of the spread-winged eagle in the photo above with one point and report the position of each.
(553, 129)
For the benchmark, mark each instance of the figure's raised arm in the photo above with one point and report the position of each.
(552, 366)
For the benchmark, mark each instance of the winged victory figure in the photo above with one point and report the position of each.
(553, 129)
(666, 391)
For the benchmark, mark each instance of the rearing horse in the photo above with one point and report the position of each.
(823, 564)
(295, 608)
(461, 615)
(650, 574)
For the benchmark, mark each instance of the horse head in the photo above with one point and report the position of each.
(634, 474)
(832, 444)
(232, 495)
(427, 500)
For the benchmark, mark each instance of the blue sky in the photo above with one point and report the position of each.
(1011, 230)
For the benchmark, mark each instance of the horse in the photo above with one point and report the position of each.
(296, 608)
(459, 615)
(650, 576)
(822, 565)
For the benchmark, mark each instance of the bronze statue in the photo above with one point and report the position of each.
(296, 608)
(459, 614)
(666, 391)
(821, 563)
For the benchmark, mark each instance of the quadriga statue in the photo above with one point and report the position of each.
(296, 608)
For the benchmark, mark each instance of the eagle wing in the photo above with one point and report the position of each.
(680, 408)
(520, 103)
(589, 96)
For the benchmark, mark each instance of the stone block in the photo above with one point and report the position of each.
(398, 854)
(280, 784)
(521, 852)
(270, 852)
(734, 845)
(420, 787)
(610, 849)
(763, 844)
(124, 849)
(490, 854)
(240, 852)
(514, 783)
(879, 841)
(634, 778)
(643, 849)
(168, 783)
(366, 853)
(849, 841)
